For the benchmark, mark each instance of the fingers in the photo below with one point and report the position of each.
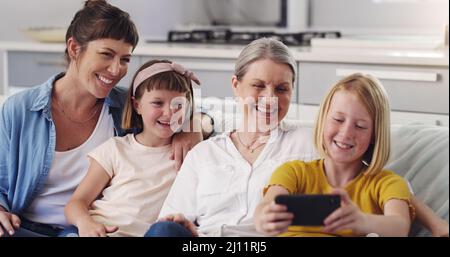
(178, 155)
(345, 198)
(167, 218)
(15, 221)
(340, 224)
(275, 228)
(275, 219)
(111, 229)
(180, 219)
(5, 224)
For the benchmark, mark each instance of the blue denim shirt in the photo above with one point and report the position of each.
(27, 142)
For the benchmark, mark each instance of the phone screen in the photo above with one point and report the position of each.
(310, 210)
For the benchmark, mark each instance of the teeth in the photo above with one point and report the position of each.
(105, 80)
(343, 145)
(262, 109)
(164, 123)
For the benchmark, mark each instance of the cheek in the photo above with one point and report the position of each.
(151, 113)
(367, 139)
(328, 131)
(284, 101)
(124, 71)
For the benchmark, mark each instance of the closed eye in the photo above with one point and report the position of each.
(157, 103)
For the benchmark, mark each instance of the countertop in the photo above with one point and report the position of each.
(362, 55)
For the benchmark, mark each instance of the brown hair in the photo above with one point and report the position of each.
(99, 19)
(374, 97)
(169, 80)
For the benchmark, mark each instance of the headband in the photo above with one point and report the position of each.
(159, 68)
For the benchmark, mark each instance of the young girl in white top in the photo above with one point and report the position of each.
(129, 177)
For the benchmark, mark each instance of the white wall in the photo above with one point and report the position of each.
(152, 17)
(19, 14)
(399, 16)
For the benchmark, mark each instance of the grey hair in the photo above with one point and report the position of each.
(264, 48)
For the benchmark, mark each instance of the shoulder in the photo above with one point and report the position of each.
(387, 174)
(387, 178)
(24, 98)
(120, 142)
(299, 166)
(117, 97)
(22, 102)
(295, 129)
(211, 150)
(211, 143)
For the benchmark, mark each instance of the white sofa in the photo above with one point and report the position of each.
(420, 153)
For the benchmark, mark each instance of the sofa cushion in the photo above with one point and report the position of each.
(420, 154)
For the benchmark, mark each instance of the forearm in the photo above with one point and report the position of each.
(389, 226)
(423, 213)
(76, 211)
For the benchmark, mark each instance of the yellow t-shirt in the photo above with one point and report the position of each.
(369, 193)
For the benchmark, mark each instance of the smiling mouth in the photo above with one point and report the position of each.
(265, 111)
(105, 81)
(166, 124)
(343, 146)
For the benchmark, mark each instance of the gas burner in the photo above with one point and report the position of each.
(227, 36)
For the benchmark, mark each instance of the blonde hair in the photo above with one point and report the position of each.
(264, 48)
(169, 80)
(372, 94)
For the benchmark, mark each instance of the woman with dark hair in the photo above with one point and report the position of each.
(47, 131)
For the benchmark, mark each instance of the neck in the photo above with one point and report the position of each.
(252, 136)
(69, 92)
(338, 174)
(149, 139)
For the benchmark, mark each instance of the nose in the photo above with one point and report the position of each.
(268, 92)
(167, 110)
(347, 130)
(114, 67)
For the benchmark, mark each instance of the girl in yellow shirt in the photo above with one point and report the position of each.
(352, 135)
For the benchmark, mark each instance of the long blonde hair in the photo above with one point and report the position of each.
(372, 94)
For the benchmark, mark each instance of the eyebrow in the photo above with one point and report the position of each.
(281, 83)
(112, 50)
(365, 120)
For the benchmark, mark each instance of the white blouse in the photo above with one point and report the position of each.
(219, 190)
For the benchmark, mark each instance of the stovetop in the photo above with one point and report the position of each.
(227, 36)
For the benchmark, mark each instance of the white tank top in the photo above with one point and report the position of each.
(67, 171)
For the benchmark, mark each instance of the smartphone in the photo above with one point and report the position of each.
(311, 209)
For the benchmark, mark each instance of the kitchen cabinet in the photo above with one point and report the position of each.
(308, 113)
(416, 93)
(27, 69)
(416, 89)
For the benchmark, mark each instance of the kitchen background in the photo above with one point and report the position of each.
(155, 17)
(400, 41)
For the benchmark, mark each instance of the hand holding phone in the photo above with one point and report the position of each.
(309, 210)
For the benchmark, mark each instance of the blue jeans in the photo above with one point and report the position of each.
(33, 229)
(168, 229)
(70, 231)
